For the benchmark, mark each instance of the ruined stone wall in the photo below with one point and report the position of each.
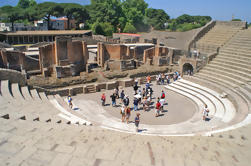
(157, 56)
(13, 59)
(47, 57)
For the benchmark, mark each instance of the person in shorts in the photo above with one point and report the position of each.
(122, 112)
(70, 101)
(136, 121)
(157, 108)
(103, 99)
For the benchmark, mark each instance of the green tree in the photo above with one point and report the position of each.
(236, 19)
(105, 29)
(26, 3)
(129, 28)
(157, 18)
(11, 14)
(47, 9)
(81, 16)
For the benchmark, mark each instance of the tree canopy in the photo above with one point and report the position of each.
(103, 16)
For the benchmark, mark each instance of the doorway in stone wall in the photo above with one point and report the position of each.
(187, 69)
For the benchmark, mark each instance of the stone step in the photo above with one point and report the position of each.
(16, 91)
(26, 93)
(234, 60)
(232, 63)
(244, 58)
(216, 77)
(239, 48)
(6, 90)
(43, 96)
(205, 99)
(230, 50)
(223, 76)
(229, 69)
(239, 101)
(35, 94)
(221, 103)
(219, 107)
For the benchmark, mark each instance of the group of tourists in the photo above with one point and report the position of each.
(141, 97)
(163, 78)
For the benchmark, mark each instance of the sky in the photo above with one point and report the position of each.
(217, 9)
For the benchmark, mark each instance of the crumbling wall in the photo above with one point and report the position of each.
(157, 56)
(13, 59)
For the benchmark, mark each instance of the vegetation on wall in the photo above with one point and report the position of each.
(102, 16)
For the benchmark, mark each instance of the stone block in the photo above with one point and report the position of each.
(111, 85)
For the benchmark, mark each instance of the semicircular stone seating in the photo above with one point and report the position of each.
(22, 103)
(230, 72)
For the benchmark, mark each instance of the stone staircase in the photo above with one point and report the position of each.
(216, 37)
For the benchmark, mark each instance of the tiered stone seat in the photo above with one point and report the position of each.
(216, 37)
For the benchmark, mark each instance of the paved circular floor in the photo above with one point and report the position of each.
(179, 108)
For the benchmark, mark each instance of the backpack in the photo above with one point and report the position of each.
(163, 95)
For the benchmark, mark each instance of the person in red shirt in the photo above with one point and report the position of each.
(158, 105)
(103, 99)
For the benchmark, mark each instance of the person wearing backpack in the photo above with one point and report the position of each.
(162, 95)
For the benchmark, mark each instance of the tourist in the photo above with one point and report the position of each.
(113, 97)
(144, 102)
(122, 96)
(144, 92)
(148, 79)
(116, 91)
(136, 81)
(205, 112)
(70, 101)
(162, 79)
(135, 103)
(103, 99)
(128, 114)
(168, 78)
(162, 102)
(157, 107)
(136, 121)
(162, 96)
(122, 112)
(135, 88)
(126, 101)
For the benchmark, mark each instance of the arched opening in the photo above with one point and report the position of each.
(187, 69)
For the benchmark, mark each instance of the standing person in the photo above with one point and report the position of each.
(145, 105)
(122, 112)
(122, 96)
(103, 99)
(162, 96)
(116, 91)
(144, 92)
(113, 97)
(162, 79)
(136, 121)
(135, 88)
(136, 81)
(128, 114)
(205, 112)
(162, 102)
(157, 107)
(70, 101)
(168, 79)
(148, 79)
(135, 103)
(126, 101)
